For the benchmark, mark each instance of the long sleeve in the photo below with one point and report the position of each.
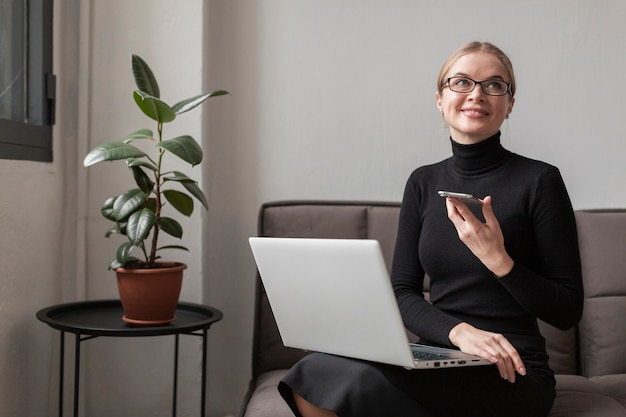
(553, 293)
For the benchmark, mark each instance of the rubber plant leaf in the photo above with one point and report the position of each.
(193, 188)
(107, 209)
(122, 257)
(119, 228)
(140, 134)
(177, 176)
(173, 247)
(191, 103)
(180, 201)
(170, 226)
(128, 203)
(141, 178)
(190, 185)
(124, 251)
(132, 162)
(144, 78)
(153, 107)
(185, 147)
(139, 225)
(112, 151)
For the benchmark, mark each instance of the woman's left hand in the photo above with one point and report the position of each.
(485, 240)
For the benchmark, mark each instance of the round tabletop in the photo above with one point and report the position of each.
(104, 318)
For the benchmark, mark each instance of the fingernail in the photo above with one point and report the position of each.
(522, 371)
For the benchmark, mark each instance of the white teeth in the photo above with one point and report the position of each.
(473, 111)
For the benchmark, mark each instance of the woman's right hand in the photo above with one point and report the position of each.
(491, 346)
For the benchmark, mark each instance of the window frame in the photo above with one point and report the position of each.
(30, 141)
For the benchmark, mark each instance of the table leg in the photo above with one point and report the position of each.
(76, 373)
(175, 395)
(61, 372)
(203, 394)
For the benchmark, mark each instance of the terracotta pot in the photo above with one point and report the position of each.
(149, 296)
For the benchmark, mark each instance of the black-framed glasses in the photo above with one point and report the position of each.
(494, 87)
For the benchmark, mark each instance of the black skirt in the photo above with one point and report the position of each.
(355, 388)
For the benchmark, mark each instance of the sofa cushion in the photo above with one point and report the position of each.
(576, 396)
(613, 385)
(561, 347)
(265, 400)
(603, 325)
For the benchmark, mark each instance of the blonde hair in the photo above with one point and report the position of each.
(472, 47)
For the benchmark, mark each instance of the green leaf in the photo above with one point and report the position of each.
(151, 204)
(107, 209)
(173, 247)
(193, 102)
(180, 201)
(139, 225)
(196, 192)
(170, 226)
(122, 256)
(143, 181)
(124, 251)
(112, 151)
(115, 264)
(153, 107)
(185, 147)
(144, 78)
(128, 203)
(190, 185)
(132, 162)
(140, 134)
(176, 176)
(119, 228)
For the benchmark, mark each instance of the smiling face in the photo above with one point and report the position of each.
(475, 116)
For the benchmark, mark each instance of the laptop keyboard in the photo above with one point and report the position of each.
(428, 356)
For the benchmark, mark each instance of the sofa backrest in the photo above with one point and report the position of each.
(602, 238)
(354, 220)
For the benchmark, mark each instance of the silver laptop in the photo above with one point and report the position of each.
(335, 296)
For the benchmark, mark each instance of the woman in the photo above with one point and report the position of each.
(495, 268)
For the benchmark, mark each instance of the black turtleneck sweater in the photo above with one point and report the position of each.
(533, 208)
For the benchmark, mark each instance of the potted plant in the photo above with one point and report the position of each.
(138, 213)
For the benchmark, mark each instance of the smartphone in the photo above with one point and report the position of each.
(464, 197)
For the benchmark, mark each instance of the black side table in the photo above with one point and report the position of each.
(91, 319)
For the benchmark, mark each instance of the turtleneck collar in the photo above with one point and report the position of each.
(478, 158)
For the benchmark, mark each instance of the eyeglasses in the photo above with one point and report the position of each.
(493, 87)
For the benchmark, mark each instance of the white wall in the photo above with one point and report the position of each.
(330, 99)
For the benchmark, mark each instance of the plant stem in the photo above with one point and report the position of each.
(157, 191)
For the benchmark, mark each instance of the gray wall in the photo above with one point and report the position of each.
(331, 99)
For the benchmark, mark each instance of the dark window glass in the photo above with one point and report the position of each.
(27, 85)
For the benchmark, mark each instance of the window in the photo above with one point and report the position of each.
(27, 85)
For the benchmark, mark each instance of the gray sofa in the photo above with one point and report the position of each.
(590, 360)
